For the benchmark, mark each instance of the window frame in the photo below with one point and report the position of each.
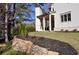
(62, 18)
(67, 18)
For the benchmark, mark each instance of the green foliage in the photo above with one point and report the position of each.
(8, 50)
(2, 49)
(23, 31)
(14, 52)
(15, 31)
(20, 10)
(20, 30)
(30, 28)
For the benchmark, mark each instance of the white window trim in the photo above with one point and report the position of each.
(66, 13)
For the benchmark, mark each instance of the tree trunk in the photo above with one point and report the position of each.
(6, 24)
(14, 14)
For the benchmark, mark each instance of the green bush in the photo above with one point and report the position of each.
(14, 52)
(15, 31)
(8, 50)
(30, 28)
(20, 30)
(2, 49)
(24, 32)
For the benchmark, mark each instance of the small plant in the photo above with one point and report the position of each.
(6, 48)
(30, 28)
(66, 30)
(61, 29)
(20, 30)
(75, 30)
(14, 52)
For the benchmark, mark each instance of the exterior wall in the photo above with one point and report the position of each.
(38, 12)
(65, 7)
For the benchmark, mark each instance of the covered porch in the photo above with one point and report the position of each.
(47, 22)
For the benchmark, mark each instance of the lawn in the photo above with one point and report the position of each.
(69, 37)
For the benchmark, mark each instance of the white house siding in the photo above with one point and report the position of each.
(38, 12)
(65, 7)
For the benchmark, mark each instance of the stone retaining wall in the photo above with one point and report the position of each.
(29, 47)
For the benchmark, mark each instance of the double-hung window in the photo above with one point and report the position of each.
(69, 16)
(65, 17)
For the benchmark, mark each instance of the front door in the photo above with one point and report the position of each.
(52, 22)
(47, 25)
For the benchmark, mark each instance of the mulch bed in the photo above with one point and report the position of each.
(52, 45)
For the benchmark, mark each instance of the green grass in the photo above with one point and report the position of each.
(69, 37)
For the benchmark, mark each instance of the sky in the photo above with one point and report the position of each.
(32, 14)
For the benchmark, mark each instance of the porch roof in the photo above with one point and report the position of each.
(46, 15)
(43, 15)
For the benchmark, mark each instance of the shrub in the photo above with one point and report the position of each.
(61, 29)
(15, 31)
(14, 52)
(6, 48)
(66, 30)
(75, 30)
(30, 28)
(20, 30)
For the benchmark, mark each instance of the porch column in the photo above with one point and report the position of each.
(49, 22)
(43, 23)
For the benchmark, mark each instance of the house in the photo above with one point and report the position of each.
(62, 17)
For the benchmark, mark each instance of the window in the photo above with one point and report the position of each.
(69, 17)
(61, 18)
(65, 17)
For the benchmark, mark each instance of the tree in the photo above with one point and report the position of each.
(40, 5)
(9, 16)
(6, 23)
(21, 10)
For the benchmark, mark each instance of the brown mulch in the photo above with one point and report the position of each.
(52, 45)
